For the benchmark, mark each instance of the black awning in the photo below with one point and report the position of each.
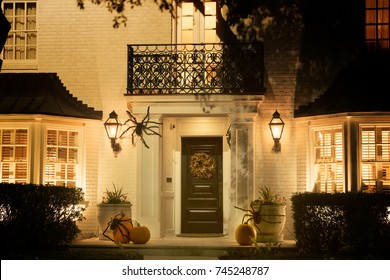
(40, 93)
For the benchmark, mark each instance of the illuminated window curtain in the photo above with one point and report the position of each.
(329, 161)
(375, 157)
(377, 24)
(61, 163)
(21, 42)
(13, 155)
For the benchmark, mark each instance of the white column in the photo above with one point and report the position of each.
(148, 183)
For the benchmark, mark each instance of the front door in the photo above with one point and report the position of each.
(201, 194)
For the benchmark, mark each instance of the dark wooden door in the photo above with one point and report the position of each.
(201, 198)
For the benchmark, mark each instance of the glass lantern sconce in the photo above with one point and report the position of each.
(113, 128)
(276, 126)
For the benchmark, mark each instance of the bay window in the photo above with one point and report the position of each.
(59, 164)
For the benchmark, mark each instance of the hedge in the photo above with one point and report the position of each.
(37, 216)
(355, 224)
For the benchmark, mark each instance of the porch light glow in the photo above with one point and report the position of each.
(113, 127)
(276, 126)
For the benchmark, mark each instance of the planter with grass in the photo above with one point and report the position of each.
(114, 202)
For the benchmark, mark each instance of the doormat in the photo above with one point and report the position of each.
(200, 235)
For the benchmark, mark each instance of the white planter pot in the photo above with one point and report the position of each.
(270, 226)
(105, 212)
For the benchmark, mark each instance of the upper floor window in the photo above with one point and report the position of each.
(21, 43)
(377, 24)
(197, 22)
(375, 159)
(329, 161)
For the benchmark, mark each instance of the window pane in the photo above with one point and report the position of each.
(187, 9)
(31, 9)
(383, 3)
(370, 3)
(210, 22)
(21, 136)
(6, 172)
(73, 155)
(21, 171)
(51, 137)
(187, 23)
(49, 173)
(20, 153)
(71, 172)
(73, 139)
(187, 36)
(51, 154)
(211, 36)
(62, 155)
(62, 138)
(370, 16)
(6, 136)
(7, 153)
(210, 8)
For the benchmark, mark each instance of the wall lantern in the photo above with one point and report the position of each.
(276, 126)
(137, 128)
(113, 127)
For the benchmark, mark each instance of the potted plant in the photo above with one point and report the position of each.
(114, 202)
(267, 213)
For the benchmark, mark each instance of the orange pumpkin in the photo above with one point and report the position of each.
(140, 235)
(121, 227)
(245, 234)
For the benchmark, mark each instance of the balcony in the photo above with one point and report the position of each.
(168, 69)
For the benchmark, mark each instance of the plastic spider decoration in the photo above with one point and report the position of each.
(119, 223)
(253, 215)
(139, 128)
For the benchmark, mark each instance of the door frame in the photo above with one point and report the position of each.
(175, 128)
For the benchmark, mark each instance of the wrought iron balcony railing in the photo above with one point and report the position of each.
(195, 69)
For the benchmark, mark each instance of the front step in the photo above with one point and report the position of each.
(180, 247)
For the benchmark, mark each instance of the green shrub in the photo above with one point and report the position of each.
(354, 224)
(38, 217)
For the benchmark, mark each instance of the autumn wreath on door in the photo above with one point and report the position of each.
(202, 166)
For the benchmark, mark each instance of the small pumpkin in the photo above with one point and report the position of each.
(121, 227)
(140, 234)
(245, 234)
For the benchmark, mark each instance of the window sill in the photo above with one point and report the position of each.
(19, 65)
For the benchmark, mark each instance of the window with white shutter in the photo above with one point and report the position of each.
(329, 161)
(375, 158)
(61, 162)
(14, 164)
